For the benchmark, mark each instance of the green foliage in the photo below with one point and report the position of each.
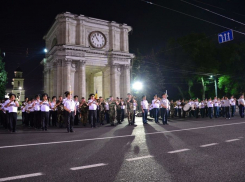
(3, 78)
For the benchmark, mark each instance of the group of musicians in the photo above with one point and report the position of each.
(42, 111)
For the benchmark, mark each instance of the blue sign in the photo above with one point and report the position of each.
(225, 36)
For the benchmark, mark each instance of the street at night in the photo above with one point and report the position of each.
(191, 150)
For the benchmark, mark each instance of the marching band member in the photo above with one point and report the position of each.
(222, 107)
(24, 111)
(233, 106)
(36, 118)
(202, 110)
(241, 104)
(210, 108)
(156, 105)
(123, 106)
(101, 110)
(13, 107)
(60, 111)
(179, 108)
(27, 109)
(118, 111)
(77, 113)
(172, 109)
(32, 115)
(151, 110)
(227, 108)
(175, 109)
(53, 112)
(92, 110)
(144, 108)
(165, 105)
(44, 107)
(206, 107)
(112, 110)
(196, 103)
(135, 106)
(70, 109)
(6, 108)
(84, 111)
(216, 104)
(107, 111)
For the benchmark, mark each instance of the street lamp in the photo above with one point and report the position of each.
(137, 86)
(45, 50)
(215, 84)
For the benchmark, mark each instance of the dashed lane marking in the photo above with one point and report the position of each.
(178, 151)
(138, 158)
(88, 166)
(115, 137)
(232, 140)
(208, 145)
(21, 177)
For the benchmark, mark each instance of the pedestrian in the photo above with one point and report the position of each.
(44, 108)
(13, 107)
(70, 112)
(145, 109)
(92, 103)
(165, 105)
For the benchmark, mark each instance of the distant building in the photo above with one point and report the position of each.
(18, 84)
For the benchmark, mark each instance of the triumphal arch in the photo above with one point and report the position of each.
(85, 55)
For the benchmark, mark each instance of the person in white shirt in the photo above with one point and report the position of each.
(202, 109)
(241, 104)
(6, 108)
(92, 103)
(145, 109)
(123, 106)
(77, 113)
(13, 108)
(179, 108)
(70, 108)
(227, 108)
(216, 105)
(36, 115)
(53, 111)
(196, 103)
(135, 104)
(45, 107)
(222, 107)
(165, 105)
(107, 111)
(156, 105)
(210, 108)
(24, 111)
(233, 106)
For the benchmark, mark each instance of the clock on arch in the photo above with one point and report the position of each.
(97, 39)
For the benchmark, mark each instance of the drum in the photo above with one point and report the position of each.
(187, 108)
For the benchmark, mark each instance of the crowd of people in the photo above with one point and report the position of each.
(41, 112)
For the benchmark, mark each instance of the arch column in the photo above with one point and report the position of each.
(82, 79)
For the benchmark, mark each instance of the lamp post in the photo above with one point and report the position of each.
(215, 85)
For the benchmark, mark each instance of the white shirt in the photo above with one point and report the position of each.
(226, 103)
(122, 106)
(144, 104)
(157, 104)
(216, 103)
(45, 106)
(29, 106)
(93, 106)
(23, 107)
(70, 104)
(210, 104)
(134, 106)
(165, 102)
(37, 105)
(13, 107)
(53, 105)
(106, 106)
(240, 101)
(196, 104)
(232, 102)
(64, 100)
(202, 105)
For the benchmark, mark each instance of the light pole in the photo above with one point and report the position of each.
(215, 85)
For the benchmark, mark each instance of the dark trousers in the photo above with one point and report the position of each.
(23, 117)
(206, 111)
(36, 119)
(233, 110)
(223, 111)
(184, 113)
(156, 116)
(196, 112)
(7, 120)
(133, 118)
(54, 117)
(70, 116)
(107, 116)
(216, 111)
(175, 112)
(13, 120)
(144, 115)
(164, 112)
(241, 111)
(92, 117)
(45, 120)
(227, 112)
(122, 114)
(179, 112)
(210, 112)
(202, 110)
(151, 113)
(76, 119)
(118, 115)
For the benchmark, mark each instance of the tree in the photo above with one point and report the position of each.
(3, 78)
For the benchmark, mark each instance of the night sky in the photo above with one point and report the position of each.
(24, 23)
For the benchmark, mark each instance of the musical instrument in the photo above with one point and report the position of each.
(187, 107)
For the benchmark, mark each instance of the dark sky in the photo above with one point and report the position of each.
(24, 23)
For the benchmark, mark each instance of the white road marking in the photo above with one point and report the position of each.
(114, 137)
(138, 158)
(177, 151)
(88, 166)
(208, 145)
(232, 140)
(21, 176)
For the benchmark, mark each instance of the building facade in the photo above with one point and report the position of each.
(18, 84)
(86, 55)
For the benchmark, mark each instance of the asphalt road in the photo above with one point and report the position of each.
(185, 150)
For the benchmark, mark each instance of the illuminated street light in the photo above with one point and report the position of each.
(137, 86)
(45, 50)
